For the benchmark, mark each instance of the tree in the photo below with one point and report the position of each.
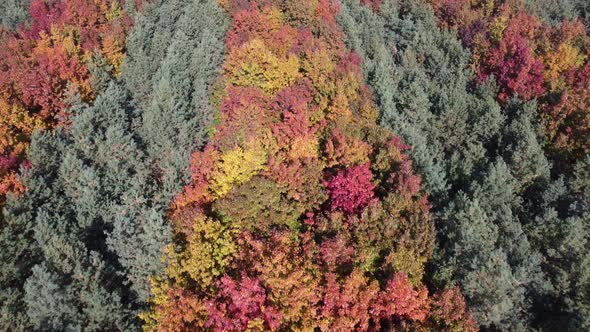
(90, 228)
(19, 253)
(14, 12)
(487, 251)
(552, 12)
(560, 230)
(175, 54)
(90, 176)
(530, 56)
(301, 212)
(479, 160)
(45, 59)
(74, 283)
(41, 62)
(93, 216)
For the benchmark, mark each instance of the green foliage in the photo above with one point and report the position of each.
(560, 230)
(19, 254)
(406, 60)
(487, 251)
(77, 184)
(254, 191)
(175, 55)
(171, 120)
(13, 13)
(258, 204)
(555, 12)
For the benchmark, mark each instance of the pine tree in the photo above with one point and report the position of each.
(560, 229)
(13, 13)
(487, 251)
(554, 12)
(175, 51)
(79, 183)
(177, 113)
(19, 254)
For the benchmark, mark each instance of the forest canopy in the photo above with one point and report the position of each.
(290, 165)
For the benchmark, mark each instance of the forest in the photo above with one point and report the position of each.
(295, 165)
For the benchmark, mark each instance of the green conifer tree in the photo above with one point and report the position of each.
(13, 12)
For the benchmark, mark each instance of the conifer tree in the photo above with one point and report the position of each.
(69, 208)
(19, 254)
(13, 13)
(49, 55)
(560, 228)
(170, 73)
(554, 12)
(181, 56)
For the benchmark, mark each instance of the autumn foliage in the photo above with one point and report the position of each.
(530, 59)
(301, 213)
(46, 61)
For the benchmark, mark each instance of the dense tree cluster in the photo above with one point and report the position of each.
(531, 56)
(79, 245)
(301, 213)
(63, 48)
(512, 231)
(305, 165)
(13, 13)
